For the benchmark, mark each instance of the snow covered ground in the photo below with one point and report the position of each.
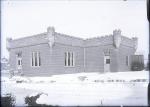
(81, 89)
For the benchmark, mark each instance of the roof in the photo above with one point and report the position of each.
(66, 40)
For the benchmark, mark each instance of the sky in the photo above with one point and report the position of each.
(81, 18)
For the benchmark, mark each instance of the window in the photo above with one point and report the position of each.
(127, 60)
(107, 61)
(36, 59)
(65, 59)
(69, 59)
(19, 60)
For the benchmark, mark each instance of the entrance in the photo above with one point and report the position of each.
(19, 61)
(106, 63)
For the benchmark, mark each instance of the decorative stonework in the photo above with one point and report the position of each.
(51, 36)
(135, 40)
(117, 38)
(107, 52)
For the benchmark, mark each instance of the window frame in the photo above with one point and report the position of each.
(107, 60)
(35, 59)
(19, 60)
(69, 59)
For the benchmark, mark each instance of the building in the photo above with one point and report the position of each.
(54, 53)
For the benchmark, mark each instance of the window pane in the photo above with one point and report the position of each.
(72, 59)
(39, 59)
(35, 54)
(107, 61)
(65, 59)
(127, 60)
(68, 58)
(32, 58)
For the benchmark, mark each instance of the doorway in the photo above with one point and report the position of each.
(19, 61)
(107, 63)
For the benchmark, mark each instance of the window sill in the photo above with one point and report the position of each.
(69, 66)
(35, 66)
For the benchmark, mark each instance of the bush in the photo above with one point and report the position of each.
(31, 101)
(8, 100)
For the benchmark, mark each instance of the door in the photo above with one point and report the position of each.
(19, 61)
(106, 63)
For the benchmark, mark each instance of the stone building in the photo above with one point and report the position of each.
(51, 53)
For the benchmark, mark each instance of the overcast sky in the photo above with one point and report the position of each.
(83, 19)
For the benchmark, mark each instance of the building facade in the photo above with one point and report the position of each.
(52, 53)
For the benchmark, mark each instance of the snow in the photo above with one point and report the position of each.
(81, 89)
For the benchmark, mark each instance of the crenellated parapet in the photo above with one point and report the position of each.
(27, 41)
(130, 42)
(51, 37)
(116, 39)
(96, 41)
